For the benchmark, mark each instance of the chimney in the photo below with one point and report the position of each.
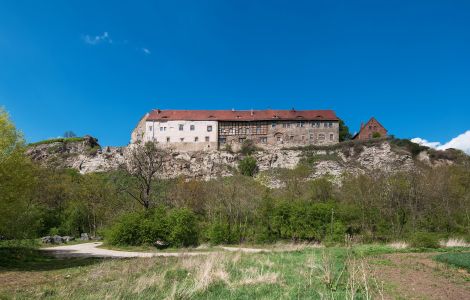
(362, 125)
(252, 111)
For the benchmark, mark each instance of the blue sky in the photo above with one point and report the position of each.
(95, 67)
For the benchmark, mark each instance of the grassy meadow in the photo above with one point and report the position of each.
(286, 272)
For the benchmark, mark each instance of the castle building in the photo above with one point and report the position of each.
(372, 129)
(193, 130)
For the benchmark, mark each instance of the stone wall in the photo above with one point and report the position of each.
(281, 134)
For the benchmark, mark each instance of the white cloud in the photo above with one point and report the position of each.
(426, 143)
(94, 40)
(146, 51)
(461, 142)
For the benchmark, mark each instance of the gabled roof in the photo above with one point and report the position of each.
(241, 115)
(365, 125)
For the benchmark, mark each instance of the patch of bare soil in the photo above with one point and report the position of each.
(418, 276)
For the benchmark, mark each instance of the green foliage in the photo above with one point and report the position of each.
(219, 233)
(247, 166)
(58, 140)
(306, 221)
(176, 226)
(182, 227)
(376, 135)
(424, 240)
(248, 147)
(19, 213)
(127, 230)
(344, 134)
(413, 148)
(460, 260)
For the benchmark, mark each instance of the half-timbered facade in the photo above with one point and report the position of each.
(193, 130)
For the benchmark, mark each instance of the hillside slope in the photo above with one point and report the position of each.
(389, 155)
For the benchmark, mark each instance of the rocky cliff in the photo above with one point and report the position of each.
(85, 155)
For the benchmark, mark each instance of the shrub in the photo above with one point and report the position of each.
(127, 230)
(376, 135)
(424, 240)
(247, 166)
(183, 227)
(248, 147)
(219, 233)
(54, 231)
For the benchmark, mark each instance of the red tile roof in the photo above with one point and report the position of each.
(241, 115)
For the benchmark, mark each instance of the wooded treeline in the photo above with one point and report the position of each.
(129, 208)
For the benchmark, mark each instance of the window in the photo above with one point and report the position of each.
(273, 124)
(311, 136)
(181, 127)
(331, 136)
(150, 128)
(196, 139)
(167, 139)
(318, 124)
(207, 138)
(325, 124)
(182, 139)
(191, 127)
(303, 137)
(291, 137)
(209, 128)
(161, 128)
(278, 138)
(330, 124)
(222, 140)
(300, 124)
(321, 137)
(263, 140)
(241, 140)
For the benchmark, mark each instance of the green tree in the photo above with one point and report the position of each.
(247, 166)
(19, 213)
(344, 133)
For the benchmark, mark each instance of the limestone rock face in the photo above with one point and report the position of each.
(87, 156)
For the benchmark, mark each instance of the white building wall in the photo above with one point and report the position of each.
(184, 139)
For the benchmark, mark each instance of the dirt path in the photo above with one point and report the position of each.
(92, 250)
(418, 276)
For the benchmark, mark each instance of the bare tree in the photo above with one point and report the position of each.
(144, 162)
(69, 134)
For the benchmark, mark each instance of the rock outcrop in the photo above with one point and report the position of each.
(87, 156)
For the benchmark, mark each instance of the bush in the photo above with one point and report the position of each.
(183, 227)
(247, 166)
(248, 147)
(177, 226)
(127, 230)
(376, 135)
(219, 233)
(424, 240)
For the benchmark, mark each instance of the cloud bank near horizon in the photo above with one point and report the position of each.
(461, 142)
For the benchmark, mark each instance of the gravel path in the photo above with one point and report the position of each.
(91, 250)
